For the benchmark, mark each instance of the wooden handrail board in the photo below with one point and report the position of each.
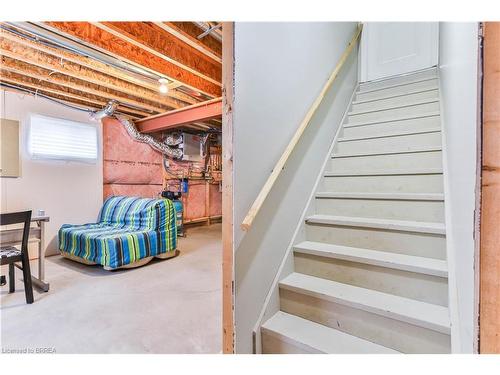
(261, 197)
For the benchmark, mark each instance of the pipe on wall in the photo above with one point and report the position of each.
(207, 30)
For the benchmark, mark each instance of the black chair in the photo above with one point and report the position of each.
(9, 254)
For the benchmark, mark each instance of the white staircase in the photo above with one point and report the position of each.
(371, 276)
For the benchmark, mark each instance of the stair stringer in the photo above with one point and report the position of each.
(272, 303)
(450, 255)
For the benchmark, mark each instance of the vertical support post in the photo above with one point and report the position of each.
(227, 188)
(489, 327)
(41, 251)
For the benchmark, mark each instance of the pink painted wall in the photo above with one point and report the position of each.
(134, 168)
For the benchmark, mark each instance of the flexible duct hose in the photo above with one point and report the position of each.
(162, 147)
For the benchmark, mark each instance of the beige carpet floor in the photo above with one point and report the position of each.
(166, 306)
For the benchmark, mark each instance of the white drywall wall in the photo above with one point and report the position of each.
(280, 69)
(458, 66)
(69, 192)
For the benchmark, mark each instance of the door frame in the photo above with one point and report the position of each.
(488, 234)
(363, 55)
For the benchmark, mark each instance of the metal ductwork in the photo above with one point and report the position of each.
(164, 148)
(108, 110)
(174, 139)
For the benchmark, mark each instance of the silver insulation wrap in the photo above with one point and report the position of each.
(162, 147)
(173, 139)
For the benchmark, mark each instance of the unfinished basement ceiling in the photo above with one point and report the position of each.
(89, 63)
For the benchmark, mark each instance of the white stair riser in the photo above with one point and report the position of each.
(381, 330)
(409, 125)
(403, 79)
(376, 163)
(398, 90)
(387, 144)
(388, 114)
(409, 243)
(395, 101)
(425, 288)
(432, 211)
(285, 333)
(432, 183)
(273, 343)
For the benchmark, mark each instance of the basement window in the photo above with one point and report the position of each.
(60, 139)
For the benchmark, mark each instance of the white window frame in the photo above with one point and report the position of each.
(67, 158)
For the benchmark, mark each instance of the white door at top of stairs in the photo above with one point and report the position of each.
(392, 48)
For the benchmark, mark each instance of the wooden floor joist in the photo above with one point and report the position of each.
(117, 48)
(21, 68)
(188, 39)
(70, 95)
(151, 38)
(192, 31)
(84, 104)
(190, 114)
(44, 64)
(46, 61)
(92, 64)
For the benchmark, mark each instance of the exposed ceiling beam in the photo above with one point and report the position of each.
(82, 102)
(187, 115)
(48, 33)
(116, 47)
(186, 38)
(190, 29)
(48, 88)
(37, 87)
(153, 39)
(96, 66)
(22, 68)
(46, 61)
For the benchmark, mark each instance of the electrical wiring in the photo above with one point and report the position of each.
(37, 94)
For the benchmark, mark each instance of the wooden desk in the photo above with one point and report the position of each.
(12, 237)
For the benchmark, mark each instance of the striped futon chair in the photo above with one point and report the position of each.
(130, 232)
